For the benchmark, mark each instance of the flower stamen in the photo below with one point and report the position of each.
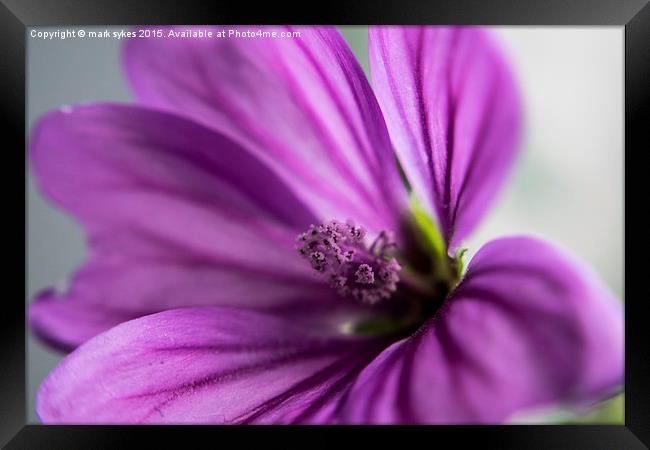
(338, 251)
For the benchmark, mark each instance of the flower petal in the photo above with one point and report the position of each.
(200, 365)
(109, 152)
(527, 327)
(453, 114)
(113, 287)
(169, 206)
(301, 103)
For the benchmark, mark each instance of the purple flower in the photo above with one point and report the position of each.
(256, 257)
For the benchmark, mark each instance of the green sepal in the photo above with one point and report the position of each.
(380, 325)
(460, 262)
(431, 238)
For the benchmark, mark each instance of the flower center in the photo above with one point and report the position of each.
(339, 253)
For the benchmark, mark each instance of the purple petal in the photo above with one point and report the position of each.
(202, 365)
(302, 103)
(110, 152)
(171, 208)
(528, 327)
(453, 113)
(64, 323)
(113, 287)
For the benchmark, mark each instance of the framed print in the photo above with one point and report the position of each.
(406, 218)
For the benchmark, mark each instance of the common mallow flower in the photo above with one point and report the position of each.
(274, 241)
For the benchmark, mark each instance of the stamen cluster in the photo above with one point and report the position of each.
(337, 250)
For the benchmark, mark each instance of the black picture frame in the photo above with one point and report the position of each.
(16, 15)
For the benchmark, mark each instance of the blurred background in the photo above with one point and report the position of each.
(567, 185)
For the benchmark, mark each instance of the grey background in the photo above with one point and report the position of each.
(567, 186)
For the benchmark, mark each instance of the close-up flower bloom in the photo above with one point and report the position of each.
(275, 239)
